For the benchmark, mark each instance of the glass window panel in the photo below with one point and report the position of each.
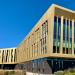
(71, 36)
(54, 49)
(58, 51)
(64, 24)
(59, 28)
(55, 30)
(55, 26)
(66, 50)
(67, 30)
(63, 50)
(71, 30)
(64, 32)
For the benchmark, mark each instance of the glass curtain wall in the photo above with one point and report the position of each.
(67, 36)
(54, 37)
(70, 37)
(57, 30)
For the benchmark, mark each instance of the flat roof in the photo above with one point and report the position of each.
(63, 8)
(7, 48)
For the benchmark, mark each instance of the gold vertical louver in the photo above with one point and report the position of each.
(72, 36)
(61, 35)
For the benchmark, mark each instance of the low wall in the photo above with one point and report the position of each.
(18, 72)
(29, 73)
(12, 72)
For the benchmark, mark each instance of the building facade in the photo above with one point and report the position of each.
(49, 47)
(50, 44)
(8, 58)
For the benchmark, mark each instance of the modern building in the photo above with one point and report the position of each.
(50, 44)
(8, 58)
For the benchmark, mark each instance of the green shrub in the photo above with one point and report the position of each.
(59, 73)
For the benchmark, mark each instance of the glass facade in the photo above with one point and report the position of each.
(59, 28)
(64, 29)
(70, 37)
(55, 27)
(44, 37)
(38, 40)
(67, 35)
(57, 31)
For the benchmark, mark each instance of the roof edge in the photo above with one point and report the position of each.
(63, 8)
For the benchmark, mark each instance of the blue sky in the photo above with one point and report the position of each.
(17, 18)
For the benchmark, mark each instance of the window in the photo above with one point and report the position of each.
(63, 50)
(54, 49)
(58, 51)
(46, 28)
(71, 30)
(67, 30)
(66, 50)
(44, 36)
(71, 35)
(55, 26)
(64, 29)
(57, 32)
(65, 36)
(59, 28)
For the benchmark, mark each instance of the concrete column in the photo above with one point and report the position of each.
(65, 35)
(69, 37)
(72, 36)
(61, 35)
